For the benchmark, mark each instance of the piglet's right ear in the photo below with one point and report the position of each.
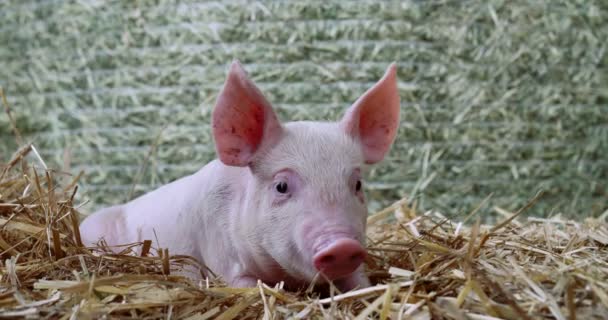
(374, 118)
(242, 119)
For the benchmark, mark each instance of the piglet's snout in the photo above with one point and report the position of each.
(339, 258)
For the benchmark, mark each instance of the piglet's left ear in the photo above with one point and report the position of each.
(243, 120)
(374, 118)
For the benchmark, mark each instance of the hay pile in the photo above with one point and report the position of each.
(497, 95)
(425, 266)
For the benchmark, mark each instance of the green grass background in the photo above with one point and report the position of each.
(502, 97)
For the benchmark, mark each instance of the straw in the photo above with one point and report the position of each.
(419, 265)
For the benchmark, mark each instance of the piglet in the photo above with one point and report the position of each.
(283, 202)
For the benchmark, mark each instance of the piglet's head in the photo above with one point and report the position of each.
(304, 209)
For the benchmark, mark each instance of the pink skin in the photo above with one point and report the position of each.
(284, 202)
(339, 258)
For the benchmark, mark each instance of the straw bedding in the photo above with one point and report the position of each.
(423, 265)
(497, 95)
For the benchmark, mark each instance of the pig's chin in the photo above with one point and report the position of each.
(301, 271)
(295, 266)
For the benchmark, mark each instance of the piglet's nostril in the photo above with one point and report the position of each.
(357, 257)
(326, 259)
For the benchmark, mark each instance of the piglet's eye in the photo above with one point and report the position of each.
(281, 187)
(358, 186)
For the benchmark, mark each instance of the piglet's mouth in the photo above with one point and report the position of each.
(339, 257)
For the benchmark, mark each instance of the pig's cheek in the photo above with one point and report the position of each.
(304, 230)
(280, 200)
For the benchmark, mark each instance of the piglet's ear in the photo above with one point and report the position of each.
(373, 119)
(242, 119)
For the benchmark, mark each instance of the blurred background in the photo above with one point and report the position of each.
(498, 97)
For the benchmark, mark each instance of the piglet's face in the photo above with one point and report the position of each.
(312, 209)
(306, 207)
